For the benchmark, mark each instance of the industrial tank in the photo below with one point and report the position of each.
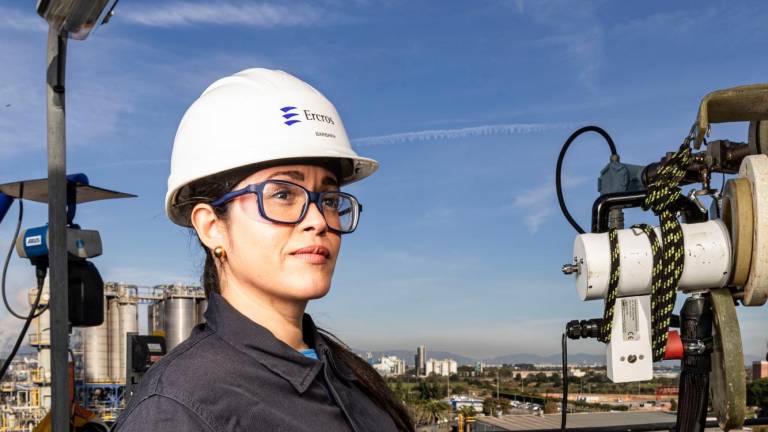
(96, 352)
(122, 317)
(113, 323)
(129, 323)
(180, 313)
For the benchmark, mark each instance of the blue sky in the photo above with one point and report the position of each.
(465, 104)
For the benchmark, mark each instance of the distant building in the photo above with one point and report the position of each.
(479, 367)
(421, 360)
(441, 367)
(759, 370)
(390, 366)
(459, 402)
(576, 372)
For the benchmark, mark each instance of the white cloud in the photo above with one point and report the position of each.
(575, 30)
(443, 134)
(261, 15)
(538, 202)
(28, 20)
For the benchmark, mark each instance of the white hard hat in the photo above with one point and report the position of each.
(252, 117)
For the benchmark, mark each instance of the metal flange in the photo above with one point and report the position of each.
(755, 168)
(727, 379)
(738, 217)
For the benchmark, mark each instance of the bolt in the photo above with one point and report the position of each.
(632, 358)
(570, 269)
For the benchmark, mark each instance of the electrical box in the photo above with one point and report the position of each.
(629, 356)
(141, 353)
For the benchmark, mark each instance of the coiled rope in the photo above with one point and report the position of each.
(668, 260)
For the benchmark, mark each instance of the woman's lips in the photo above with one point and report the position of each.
(313, 254)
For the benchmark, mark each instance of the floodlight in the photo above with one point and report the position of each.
(77, 17)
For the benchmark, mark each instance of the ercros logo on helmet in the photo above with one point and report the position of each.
(288, 115)
(309, 115)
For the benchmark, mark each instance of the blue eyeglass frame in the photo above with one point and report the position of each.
(312, 198)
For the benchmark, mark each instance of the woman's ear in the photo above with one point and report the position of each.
(208, 226)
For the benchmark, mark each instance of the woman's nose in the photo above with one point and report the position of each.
(314, 219)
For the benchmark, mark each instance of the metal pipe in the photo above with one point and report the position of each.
(57, 214)
(696, 334)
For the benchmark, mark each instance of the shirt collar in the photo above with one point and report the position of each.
(277, 356)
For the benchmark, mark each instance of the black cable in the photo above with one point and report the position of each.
(40, 272)
(8, 260)
(564, 405)
(559, 168)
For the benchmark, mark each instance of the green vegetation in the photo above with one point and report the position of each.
(425, 397)
(757, 395)
(467, 411)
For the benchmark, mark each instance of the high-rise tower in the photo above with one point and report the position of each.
(421, 360)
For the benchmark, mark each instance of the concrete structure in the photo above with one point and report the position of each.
(390, 366)
(759, 370)
(421, 360)
(580, 420)
(441, 367)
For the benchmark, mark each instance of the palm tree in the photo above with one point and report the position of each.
(431, 411)
(467, 411)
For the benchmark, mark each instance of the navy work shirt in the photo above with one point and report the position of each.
(235, 375)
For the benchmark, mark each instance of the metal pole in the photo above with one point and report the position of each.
(57, 218)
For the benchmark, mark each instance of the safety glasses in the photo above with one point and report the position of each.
(287, 203)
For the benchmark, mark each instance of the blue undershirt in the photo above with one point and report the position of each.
(309, 353)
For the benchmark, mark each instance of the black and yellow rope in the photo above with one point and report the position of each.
(613, 283)
(658, 293)
(667, 260)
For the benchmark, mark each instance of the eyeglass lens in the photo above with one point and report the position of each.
(284, 202)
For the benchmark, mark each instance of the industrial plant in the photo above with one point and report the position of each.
(100, 353)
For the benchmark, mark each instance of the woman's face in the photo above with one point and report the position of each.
(291, 262)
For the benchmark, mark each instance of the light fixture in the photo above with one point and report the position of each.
(76, 17)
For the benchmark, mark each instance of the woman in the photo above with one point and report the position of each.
(257, 164)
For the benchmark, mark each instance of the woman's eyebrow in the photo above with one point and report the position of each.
(330, 181)
(299, 176)
(295, 175)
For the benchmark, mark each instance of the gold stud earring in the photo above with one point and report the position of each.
(219, 252)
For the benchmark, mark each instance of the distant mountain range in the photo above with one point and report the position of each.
(408, 356)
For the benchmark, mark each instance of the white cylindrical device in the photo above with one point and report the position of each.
(707, 260)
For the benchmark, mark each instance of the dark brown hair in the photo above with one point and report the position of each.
(369, 381)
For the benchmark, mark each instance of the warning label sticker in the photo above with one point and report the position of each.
(629, 319)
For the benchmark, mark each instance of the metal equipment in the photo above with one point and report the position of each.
(141, 353)
(716, 254)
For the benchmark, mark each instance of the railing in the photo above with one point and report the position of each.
(647, 427)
